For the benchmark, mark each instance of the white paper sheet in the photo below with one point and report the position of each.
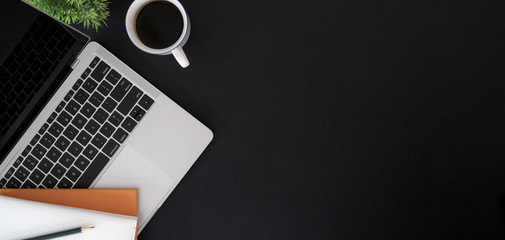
(22, 219)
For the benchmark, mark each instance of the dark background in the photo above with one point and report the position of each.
(336, 119)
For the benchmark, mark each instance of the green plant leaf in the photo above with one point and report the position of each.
(89, 13)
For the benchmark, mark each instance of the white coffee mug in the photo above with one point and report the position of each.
(176, 48)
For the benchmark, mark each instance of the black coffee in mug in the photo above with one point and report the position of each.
(159, 24)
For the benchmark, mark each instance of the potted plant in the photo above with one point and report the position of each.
(89, 13)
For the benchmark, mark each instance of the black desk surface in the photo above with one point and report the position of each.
(336, 119)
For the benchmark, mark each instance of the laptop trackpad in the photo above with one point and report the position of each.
(132, 170)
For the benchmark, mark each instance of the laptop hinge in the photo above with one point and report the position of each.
(76, 61)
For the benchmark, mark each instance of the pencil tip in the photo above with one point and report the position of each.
(84, 229)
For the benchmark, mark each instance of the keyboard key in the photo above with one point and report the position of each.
(90, 151)
(137, 112)
(30, 162)
(86, 73)
(110, 148)
(52, 117)
(13, 183)
(107, 129)
(113, 76)
(99, 73)
(62, 143)
(99, 140)
(29, 184)
(94, 62)
(43, 128)
(79, 121)
(66, 160)
(100, 115)
(146, 102)
(89, 85)
(73, 173)
(35, 139)
(65, 183)
(45, 165)
(105, 88)
(92, 126)
(109, 104)
(49, 181)
(77, 84)
(3, 182)
(75, 149)
(18, 161)
(38, 151)
(58, 170)
(129, 124)
(22, 173)
(116, 118)
(96, 99)
(121, 89)
(88, 110)
(69, 95)
(64, 118)
(120, 135)
(129, 101)
(60, 106)
(70, 132)
(37, 176)
(53, 154)
(82, 163)
(73, 107)
(81, 96)
(47, 140)
(26, 151)
(92, 172)
(55, 129)
(83, 138)
(9, 173)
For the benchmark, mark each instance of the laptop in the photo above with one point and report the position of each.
(72, 115)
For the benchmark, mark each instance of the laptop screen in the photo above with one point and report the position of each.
(35, 54)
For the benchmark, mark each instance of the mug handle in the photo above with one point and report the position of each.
(180, 56)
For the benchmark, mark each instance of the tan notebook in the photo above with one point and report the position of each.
(118, 201)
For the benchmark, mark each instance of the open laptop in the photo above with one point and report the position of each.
(72, 115)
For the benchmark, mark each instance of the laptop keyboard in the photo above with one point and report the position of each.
(29, 66)
(82, 134)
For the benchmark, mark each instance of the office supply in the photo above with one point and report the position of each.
(75, 116)
(61, 233)
(118, 201)
(24, 219)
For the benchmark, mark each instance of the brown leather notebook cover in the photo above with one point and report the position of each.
(119, 201)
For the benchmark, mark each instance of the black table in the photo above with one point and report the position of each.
(336, 119)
